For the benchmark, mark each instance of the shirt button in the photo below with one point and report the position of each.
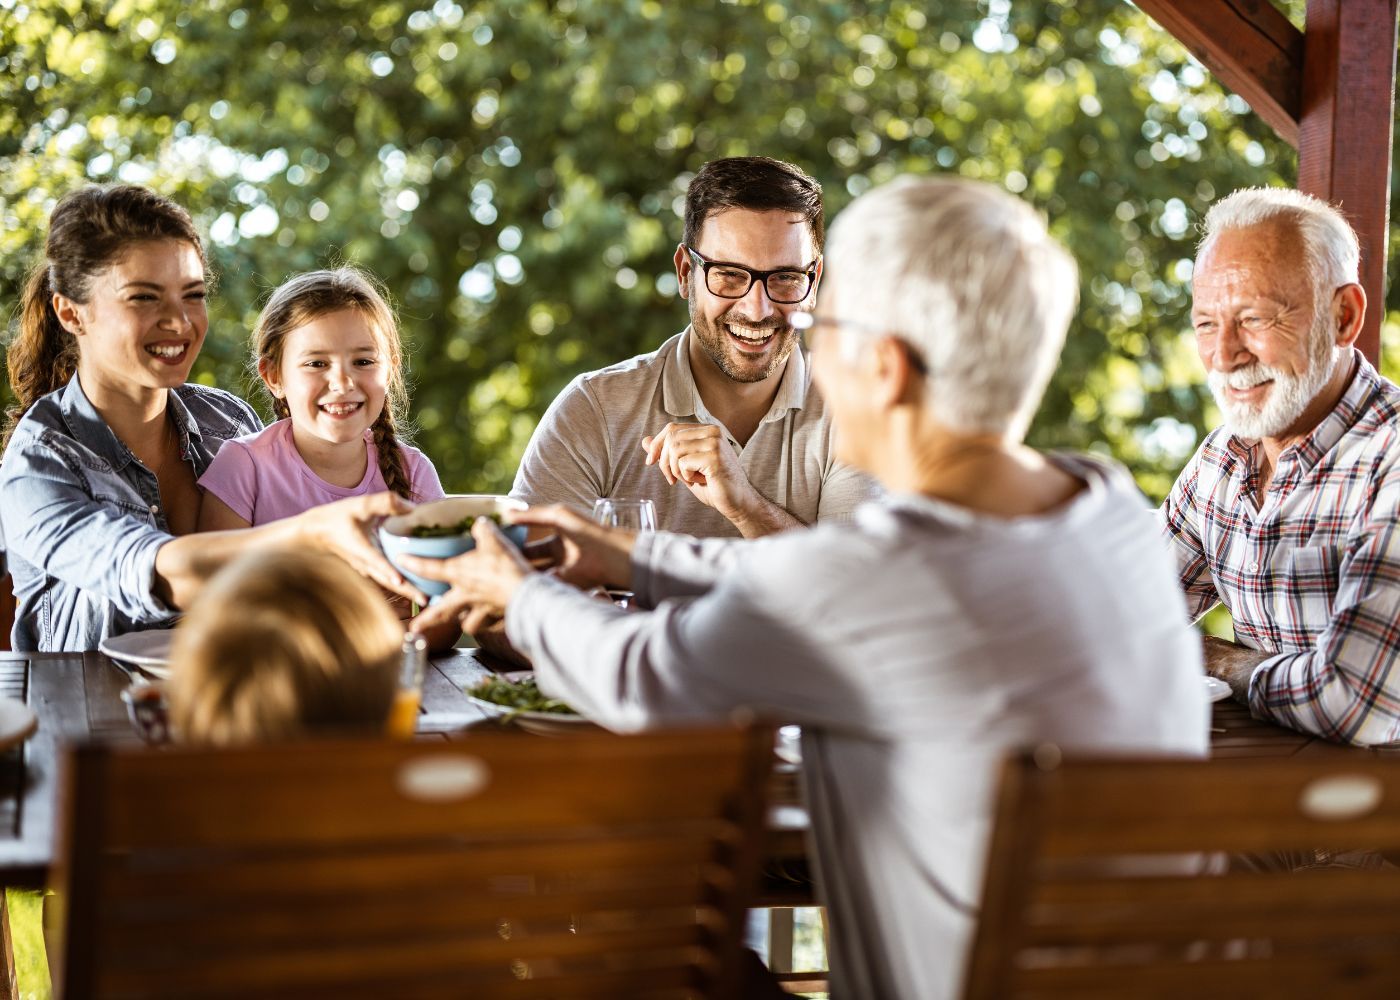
(155, 508)
(1253, 567)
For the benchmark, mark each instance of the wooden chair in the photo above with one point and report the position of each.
(493, 866)
(1080, 898)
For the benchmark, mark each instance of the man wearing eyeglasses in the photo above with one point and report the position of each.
(719, 427)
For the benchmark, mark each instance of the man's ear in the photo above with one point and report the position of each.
(684, 270)
(271, 377)
(1348, 313)
(67, 312)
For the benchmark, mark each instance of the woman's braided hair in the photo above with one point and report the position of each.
(309, 296)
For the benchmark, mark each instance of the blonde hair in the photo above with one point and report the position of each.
(308, 297)
(281, 644)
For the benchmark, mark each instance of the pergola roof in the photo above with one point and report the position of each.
(1328, 90)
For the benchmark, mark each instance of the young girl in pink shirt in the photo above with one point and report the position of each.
(328, 352)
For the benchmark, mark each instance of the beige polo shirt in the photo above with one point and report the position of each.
(589, 445)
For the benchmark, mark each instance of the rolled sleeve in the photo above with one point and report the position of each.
(54, 522)
(1347, 687)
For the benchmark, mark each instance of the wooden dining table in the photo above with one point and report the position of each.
(77, 697)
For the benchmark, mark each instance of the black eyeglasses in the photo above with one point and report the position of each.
(806, 323)
(728, 280)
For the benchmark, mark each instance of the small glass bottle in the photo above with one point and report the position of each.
(403, 716)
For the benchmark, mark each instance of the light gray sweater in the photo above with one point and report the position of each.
(915, 647)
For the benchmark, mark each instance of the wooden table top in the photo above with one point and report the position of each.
(77, 696)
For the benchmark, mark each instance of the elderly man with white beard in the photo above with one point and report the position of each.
(1287, 513)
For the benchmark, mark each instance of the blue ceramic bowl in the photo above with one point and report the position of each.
(395, 534)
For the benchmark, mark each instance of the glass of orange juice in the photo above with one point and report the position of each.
(403, 716)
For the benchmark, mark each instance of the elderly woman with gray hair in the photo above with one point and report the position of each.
(995, 597)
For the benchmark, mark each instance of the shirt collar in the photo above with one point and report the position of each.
(86, 424)
(1360, 393)
(1356, 401)
(681, 398)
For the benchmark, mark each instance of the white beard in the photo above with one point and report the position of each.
(1285, 401)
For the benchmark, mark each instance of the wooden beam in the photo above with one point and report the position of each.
(1246, 44)
(1348, 107)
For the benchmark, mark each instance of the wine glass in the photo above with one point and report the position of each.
(632, 515)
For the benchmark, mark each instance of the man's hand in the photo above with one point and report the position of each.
(579, 551)
(1233, 664)
(482, 581)
(699, 456)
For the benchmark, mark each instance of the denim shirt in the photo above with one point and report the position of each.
(83, 519)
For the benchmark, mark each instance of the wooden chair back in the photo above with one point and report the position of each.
(496, 865)
(1160, 878)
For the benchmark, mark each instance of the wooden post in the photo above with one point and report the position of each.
(1345, 131)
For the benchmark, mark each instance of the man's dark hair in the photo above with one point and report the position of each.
(757, 183)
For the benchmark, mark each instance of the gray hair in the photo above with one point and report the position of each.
(1329, 243)
(970, 277)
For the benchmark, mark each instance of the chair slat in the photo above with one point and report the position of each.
(430, 866)
(363, 799)
(374, 918)
(1355, 977)
(288, 966)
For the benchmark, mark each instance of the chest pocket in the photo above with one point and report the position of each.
(1308, 588)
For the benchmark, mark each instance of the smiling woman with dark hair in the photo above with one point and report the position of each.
(97, 487)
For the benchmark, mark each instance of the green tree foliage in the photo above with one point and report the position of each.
(513, 170)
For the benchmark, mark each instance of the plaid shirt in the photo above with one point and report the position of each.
(1312, 573)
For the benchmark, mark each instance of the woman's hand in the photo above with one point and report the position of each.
(483, 581)
(580, 552)
(344, 529)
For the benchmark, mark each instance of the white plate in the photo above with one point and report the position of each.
(541, 723)
(17, 722)
(1216, 689)
(149, 650)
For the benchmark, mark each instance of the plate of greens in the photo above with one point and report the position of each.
(514, 697)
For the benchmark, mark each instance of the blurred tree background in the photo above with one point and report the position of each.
(513, 170)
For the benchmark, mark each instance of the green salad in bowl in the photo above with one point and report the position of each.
(441, 529)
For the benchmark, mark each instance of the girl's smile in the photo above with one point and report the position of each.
(333, 378)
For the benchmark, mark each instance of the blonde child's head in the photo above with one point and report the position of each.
(313, 297)
(281, 645)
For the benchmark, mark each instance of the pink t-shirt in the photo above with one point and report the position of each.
(262, 477)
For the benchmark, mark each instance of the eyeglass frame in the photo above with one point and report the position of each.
(755, 275)
(804, 321)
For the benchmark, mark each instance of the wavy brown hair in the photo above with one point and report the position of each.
(89, 230)
(283, 644)
(309, 296)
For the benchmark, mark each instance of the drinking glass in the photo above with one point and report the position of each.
(403, 716)
(633, 515)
